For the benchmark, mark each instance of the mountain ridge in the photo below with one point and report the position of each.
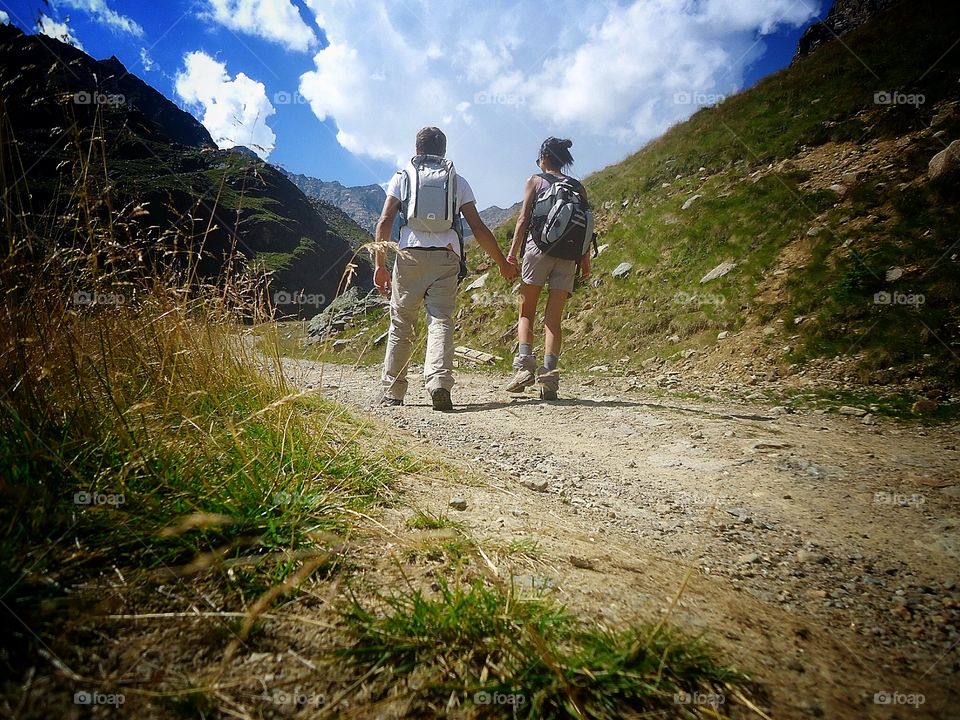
(363, 203)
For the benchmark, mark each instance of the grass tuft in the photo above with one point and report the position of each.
(491, 646)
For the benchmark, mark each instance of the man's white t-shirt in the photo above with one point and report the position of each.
(421, 238)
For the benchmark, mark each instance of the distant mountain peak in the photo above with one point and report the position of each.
(363, 203)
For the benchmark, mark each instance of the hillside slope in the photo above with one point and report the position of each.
(814, 185)
(86, 143)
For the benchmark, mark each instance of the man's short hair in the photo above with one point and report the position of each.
(431, 141)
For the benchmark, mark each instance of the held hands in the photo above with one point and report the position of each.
(381, 279)
(508, 268)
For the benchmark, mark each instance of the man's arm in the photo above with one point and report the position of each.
(523, 220)
(381, 276)
(487, 241)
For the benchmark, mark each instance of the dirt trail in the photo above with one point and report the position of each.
(824, 553)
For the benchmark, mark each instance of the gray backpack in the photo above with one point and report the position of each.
(561, 224)
(429, 194)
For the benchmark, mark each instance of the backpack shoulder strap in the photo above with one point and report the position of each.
(404, 174)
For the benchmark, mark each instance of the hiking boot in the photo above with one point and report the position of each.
(521, 381)
(390, 402)
(441, 400)
(549, 382)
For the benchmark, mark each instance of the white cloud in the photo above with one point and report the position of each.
(103, 13)
(499, 77)
(275, 20)
(57, 30)
(4, 18)
(146, 61)
(235, 111)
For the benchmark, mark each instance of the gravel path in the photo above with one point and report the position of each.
(823, 554)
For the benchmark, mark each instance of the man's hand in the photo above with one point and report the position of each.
(585, 266)
(381, 278)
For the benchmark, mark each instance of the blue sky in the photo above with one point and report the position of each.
(337, 88)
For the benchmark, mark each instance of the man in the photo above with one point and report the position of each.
(426, 273)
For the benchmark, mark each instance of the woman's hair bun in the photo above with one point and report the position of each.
(566, 144)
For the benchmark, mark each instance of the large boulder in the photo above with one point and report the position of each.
(946, 161)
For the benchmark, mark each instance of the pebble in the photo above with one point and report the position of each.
(810, 556)
(853, 411)
(458, 503)
(535, 485)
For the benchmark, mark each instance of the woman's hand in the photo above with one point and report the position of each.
(585, 266)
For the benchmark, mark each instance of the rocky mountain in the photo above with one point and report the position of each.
(495, 216)
(152, 176)
(844, 16)
(363, 203)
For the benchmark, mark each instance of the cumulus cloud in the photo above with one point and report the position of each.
(105, 15)
(275, 20)
(4, 18)
(608, 75)
(57, 30)
(235, 111)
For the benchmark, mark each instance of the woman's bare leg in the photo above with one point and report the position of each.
(556, 300)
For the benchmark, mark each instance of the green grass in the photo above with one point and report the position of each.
(424, 520)
(895, 405)
(478, 642)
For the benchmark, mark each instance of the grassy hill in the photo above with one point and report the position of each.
(817, 192)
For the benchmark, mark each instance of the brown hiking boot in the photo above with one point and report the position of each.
(549, 382)
(521, 381)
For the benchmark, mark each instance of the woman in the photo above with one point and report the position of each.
(541, 269)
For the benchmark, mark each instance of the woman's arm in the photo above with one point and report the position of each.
(523, 220)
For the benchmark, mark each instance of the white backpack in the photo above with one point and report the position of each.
(430, 194)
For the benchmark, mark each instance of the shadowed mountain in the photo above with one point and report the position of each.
(152, 176)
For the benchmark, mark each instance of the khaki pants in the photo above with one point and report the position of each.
(427, 278)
